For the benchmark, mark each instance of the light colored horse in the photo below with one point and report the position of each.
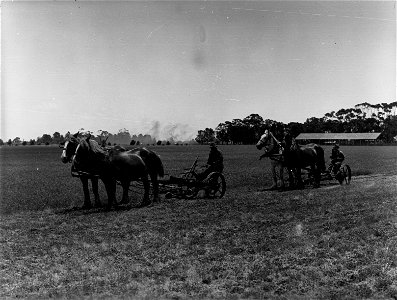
(273, 150)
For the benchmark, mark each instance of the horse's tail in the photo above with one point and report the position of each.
(320, 158)
(159, 165)
(153, 161)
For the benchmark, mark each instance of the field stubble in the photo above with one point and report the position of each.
(332, 242)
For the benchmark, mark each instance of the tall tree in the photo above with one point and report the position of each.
(390, 129)
(255, 125)
(205, 136)
(222, 133)
(56, 138)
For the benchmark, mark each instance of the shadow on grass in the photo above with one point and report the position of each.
(361, 172)
(84, 211)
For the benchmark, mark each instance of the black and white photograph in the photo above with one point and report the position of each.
(194, 149)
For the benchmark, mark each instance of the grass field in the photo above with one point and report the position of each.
(328, 243)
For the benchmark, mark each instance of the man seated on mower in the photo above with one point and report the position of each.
(214, 162)
(337, 158)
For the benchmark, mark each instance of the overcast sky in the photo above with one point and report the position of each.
(189, 65)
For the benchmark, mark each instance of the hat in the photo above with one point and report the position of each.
(212, 145)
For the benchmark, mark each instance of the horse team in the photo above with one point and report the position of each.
(294, 159)
(91, 161)
(116, 164)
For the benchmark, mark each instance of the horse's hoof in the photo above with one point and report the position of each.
(145, 203)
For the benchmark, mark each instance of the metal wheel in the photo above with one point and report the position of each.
(189, 190)
(216, 185)
(345, 174)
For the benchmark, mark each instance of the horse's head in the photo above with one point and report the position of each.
(69, 148)
(264, 140)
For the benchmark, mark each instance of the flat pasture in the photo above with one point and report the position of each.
(334, 242)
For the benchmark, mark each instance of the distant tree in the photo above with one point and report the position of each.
(255, 125)
(24, 143)
(32, 142)
(9, 142)
(205, 136)
(200, 138)
(123, 137)
(158, 143)
(168, 143)
(238, 131)
(389, 129)
(138, 143)
(133, 142)
(1, 142)
(314, 125)
(103, 136)
(16, 141)
(222, 133)
(56, 138)
(46, 139)
(295, 128)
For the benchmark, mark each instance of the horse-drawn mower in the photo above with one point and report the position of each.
(189, 184)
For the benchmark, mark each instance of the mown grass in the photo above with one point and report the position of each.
(330, 243)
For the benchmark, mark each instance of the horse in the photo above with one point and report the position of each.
(273, 151)
(154, 166)
(153, 163)
(68, 150)
(297, 157)
(110, 166)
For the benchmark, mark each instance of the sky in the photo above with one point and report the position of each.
(176, 67)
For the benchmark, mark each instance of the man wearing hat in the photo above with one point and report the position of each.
(214, 162)
(337, 158)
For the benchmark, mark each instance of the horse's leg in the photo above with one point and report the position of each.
(274, 174)
(146, 185)
(155, 184)
(291, 178)
(298, 173)
(94, 183)
(281, 168)
(110, 185)
(87, 201)
(317, 175)
(126, 186)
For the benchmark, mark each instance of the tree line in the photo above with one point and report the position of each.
(249, 129)
(123, 137)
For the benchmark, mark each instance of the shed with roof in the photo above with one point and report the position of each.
(347, 138)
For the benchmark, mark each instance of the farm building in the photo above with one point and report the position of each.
(342, 138)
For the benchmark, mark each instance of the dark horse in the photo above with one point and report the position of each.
(110, 166)
(297, 157)
(153, 164)
(69, 149)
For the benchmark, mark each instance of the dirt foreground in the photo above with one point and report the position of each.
(334, 242)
